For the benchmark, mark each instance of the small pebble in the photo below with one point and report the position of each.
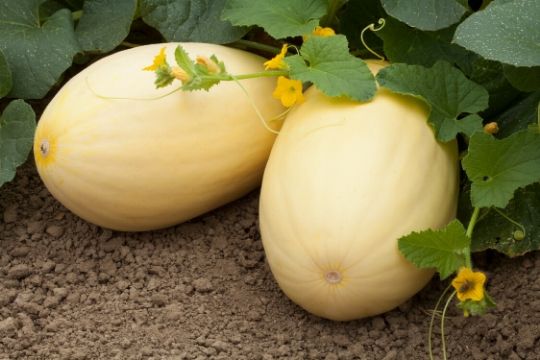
(112, 244)
(202, 285)
(20, 251)
(159, 300)
(48, 266)
(10, 214)
(55, 230)
(378, 323)
(8, 326)
(35, 227)
(19, 271)
(62, 293)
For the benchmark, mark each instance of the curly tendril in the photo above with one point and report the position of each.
(372, 27)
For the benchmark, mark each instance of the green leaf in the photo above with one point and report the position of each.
(195, 20)
(5, 76)
(445, 89)
(523, 78)
(102, 26)
(507, 33)
(444, 249)
(497, 168)
(403, 43)
(475, 308)
(427, 15)
(17, 125)
(37, 53)
(279, 18)
(494, 230)
(519, 116)
(487, 73)
(327, 63)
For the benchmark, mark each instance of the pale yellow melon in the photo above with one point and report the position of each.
(142, 162)
(344, 181)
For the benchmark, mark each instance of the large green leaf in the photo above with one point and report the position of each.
(487, 73)
(496, 231)
(523, 78)
(445, 89)
(443, 249)
(519, 116)
(190, 20)
(427, 15)
(327, 63)
(37, 53)
(5, 76)
(403, 43)
(506, 32)
(497, 168)
(17, 124)
(280, 18)
(103, 25)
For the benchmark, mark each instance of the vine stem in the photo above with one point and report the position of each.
(512, 221)
(333, 7)
(255, 45)
(268, 73)
(227, 77)
(372, 27)
(470, 228)
(443, 341)
(76, 15)
(432, 322)
(254, 106)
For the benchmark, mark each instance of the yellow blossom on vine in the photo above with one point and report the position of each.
(323, 31)
(288, 91)
(320, 31)
(277, 61)
(469, 284)
(159, 60)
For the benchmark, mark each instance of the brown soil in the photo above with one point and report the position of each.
(202, 290)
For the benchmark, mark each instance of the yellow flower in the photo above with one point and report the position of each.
(323, 31)
(288, 91)
(320, 31)
(277, 61)
(469, 284)
(159, 60)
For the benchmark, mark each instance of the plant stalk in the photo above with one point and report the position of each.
(432, 322)
(470, 228)
(443, 341)
(255, 45)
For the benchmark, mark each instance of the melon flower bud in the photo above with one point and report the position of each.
(491, 128)
(180, 74)
(209, 64)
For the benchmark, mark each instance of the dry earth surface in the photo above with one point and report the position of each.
(202, 290)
